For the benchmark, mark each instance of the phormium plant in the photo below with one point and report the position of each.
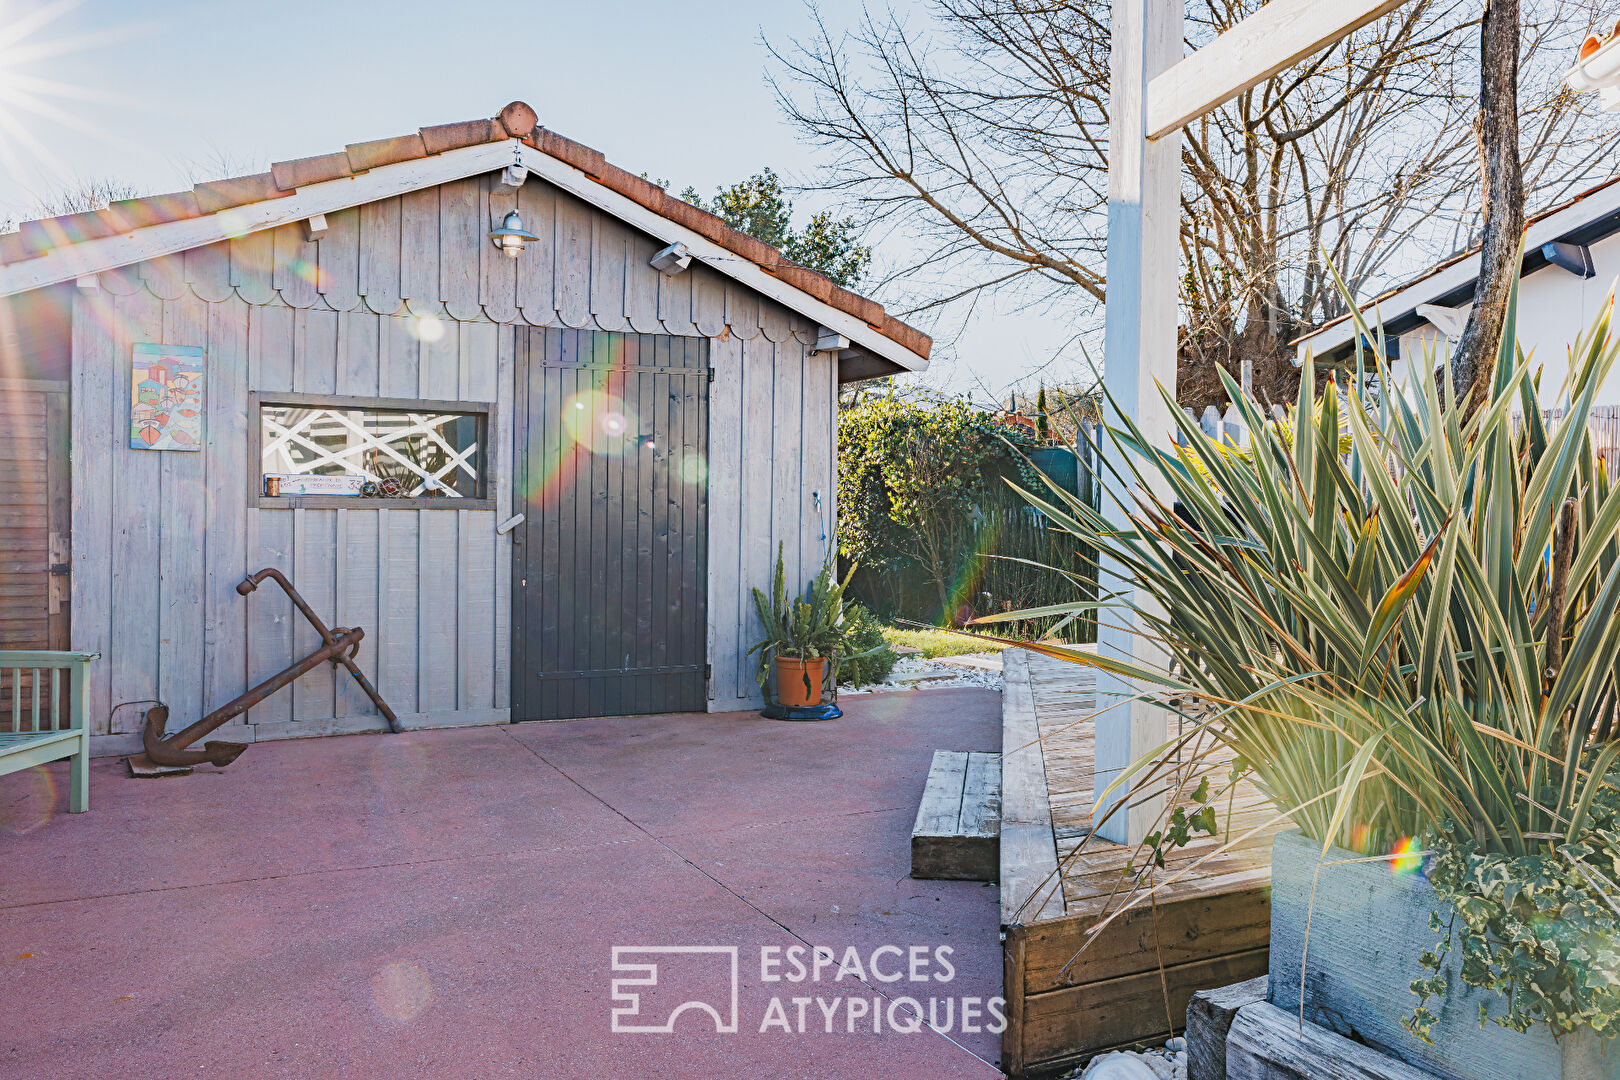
(1401, 618)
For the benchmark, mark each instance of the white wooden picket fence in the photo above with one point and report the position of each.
(1227, 427)
(1604, 423)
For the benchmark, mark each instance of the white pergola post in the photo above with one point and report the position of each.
(1154, 92)
(1139, 351)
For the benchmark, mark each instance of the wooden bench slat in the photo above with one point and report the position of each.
(27, 747)
(11, 743)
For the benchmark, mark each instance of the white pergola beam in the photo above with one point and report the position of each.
(1280, 34)
(1154, 92)
(1139, 351)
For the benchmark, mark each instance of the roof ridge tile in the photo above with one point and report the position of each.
(442, 137)
(365, 156)
(215, 195)
(294, 174)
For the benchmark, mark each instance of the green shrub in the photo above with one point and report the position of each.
(863, 634)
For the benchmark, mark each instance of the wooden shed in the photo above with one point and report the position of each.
(654, 392)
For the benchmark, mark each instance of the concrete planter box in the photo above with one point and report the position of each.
(1367, 929)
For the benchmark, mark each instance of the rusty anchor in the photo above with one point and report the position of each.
(338, 647)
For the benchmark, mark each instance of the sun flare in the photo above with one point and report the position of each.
(32, 46)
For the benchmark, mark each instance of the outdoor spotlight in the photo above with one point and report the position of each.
(511, 236)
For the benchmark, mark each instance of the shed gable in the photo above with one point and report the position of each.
(425, 254)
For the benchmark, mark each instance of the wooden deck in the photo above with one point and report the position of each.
(1132, 981)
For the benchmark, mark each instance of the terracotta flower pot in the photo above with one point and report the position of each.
(790, 677)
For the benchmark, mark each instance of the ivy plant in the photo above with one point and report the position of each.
(1542, 929)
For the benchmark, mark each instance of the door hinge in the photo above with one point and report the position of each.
(708, 673)
(711, 374)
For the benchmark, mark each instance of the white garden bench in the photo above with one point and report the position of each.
(33, 686)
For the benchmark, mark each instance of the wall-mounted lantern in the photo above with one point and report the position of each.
(511, 236)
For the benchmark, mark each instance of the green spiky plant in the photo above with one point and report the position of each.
(1402, 621)
(801, 627)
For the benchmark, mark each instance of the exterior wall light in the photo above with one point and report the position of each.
(511, 236)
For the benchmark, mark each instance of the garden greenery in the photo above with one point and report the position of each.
(913, 478)
(870, 657)
(1401, 617)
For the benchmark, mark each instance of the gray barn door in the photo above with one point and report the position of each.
(610, 565)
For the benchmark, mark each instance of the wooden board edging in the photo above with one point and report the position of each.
(1085, 1019)
(1028, 850)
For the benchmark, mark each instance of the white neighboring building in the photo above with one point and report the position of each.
(1571, 264)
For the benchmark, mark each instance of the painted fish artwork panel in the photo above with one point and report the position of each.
(166, 397)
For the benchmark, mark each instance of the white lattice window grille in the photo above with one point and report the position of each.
(432, 453)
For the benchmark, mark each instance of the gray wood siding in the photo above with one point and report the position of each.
(160, 539)
(158, 586)
(772, 411)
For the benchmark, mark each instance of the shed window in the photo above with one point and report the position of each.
(370, 449)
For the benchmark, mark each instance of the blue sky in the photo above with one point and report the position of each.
(160, 92)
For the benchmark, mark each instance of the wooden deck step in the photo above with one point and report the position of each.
(958, 832)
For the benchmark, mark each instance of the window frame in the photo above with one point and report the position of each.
(258, 499)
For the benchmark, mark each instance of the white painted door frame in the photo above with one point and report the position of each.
(1154, 92)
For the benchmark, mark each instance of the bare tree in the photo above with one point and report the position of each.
(84, 194)
(982, 137)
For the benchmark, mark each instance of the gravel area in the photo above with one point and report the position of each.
(917, 673)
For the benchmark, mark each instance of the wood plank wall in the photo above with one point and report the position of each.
(773, 411)
(392, 302)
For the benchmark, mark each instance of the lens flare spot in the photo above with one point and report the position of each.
(1405, 861)
(233, 223)
(29, 802)
(428, 328)
(400, 991)
(601, 423)
(694, 469)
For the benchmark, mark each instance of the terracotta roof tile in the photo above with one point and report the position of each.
(516, 120)
(40, 236)
(380, 152)
(154, 209)
(442, 137)
(636, 188)
(218, 195)
(12, 249)
(868, 311)
(588, 161)
(519, 121)
(909, 336)
(807, 280)
(710, 227)
(290, 175)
